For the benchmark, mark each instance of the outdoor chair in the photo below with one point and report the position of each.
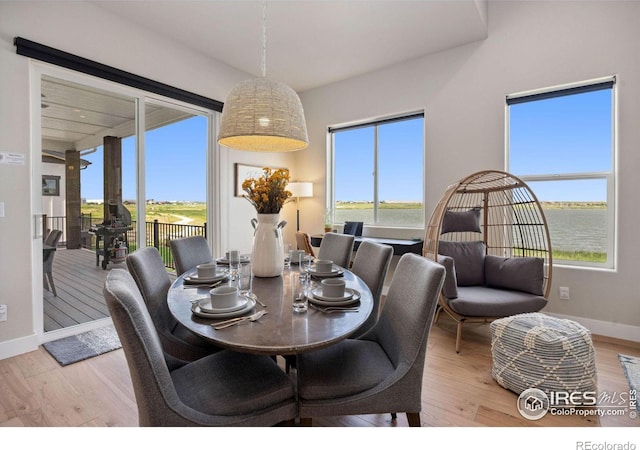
(147, 269)
(47, 262)
(224, 389)
(382, 371)
(188, 252)
(337, 248)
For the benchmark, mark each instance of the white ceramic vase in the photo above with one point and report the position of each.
(267, 255)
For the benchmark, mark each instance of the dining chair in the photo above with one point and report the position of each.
(337, 248)
(354, 228)
(226, 388)
(150, 275)
(303, 242)
(371, 264)
(188, 252)
(47, 262)
(382, 371)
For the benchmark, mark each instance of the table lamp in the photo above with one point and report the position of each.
(300, 189)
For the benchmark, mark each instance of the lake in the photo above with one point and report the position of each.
(570, 229)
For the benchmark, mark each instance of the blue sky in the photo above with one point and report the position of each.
(570, 134)
(400, 153)
(176, 164)
(564, 134)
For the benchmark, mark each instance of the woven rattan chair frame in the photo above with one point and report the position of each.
(512, 224)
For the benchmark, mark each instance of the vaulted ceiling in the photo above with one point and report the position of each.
(310, 43)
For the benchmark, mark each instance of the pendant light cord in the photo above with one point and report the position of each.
(264, 38)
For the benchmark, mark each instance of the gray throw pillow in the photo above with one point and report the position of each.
(524, 274)
(468, 257)
(450, 287)
(461, 221)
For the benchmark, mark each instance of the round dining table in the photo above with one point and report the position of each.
(280, 331)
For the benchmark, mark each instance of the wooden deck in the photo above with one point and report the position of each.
(79, 285)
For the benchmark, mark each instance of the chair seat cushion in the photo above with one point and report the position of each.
(347, 368)
(228, 383)
(483, 301)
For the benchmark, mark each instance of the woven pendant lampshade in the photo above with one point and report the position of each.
(263, 115)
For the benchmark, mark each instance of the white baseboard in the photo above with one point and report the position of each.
(18, 346)
(30, 343)
(602, 328)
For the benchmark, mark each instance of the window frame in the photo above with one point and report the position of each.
(610, 176)
(331, 168)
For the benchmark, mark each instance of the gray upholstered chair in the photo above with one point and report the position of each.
(371, 263)
(223, 389)
(189, 252)
(382, 371)
(47, 262)
(337, 248)
(147, 269)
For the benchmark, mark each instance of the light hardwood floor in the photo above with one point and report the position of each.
(458, 390)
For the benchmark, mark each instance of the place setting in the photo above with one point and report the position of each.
(229, 258)
(208, 273)
(223, 302)
(333, 296)
(324, 268)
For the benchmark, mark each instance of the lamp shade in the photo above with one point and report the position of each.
(300, 189)
(263, 115)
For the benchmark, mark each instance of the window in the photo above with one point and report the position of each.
(378, 171)
(561, 142)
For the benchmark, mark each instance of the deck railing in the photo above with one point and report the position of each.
(158, 233)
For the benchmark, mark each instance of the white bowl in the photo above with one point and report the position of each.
(207, 270)
(333, 287)
(224, 296)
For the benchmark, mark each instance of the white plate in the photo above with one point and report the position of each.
(335, 272)
(354, 299)
(195, 309)
(205, 305)
(317, 293)
(195, 279)
(243, 259)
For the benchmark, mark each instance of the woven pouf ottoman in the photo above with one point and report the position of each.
(538, 351)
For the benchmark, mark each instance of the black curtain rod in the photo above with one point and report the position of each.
(561, 93)
(376, 122)
(60, 58)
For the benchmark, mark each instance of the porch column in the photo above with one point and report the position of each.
(72, 198)
(112, 172)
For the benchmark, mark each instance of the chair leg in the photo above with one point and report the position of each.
(458, 336)
(394, 416)
(306, 422)
(53, 286)
(413, 419)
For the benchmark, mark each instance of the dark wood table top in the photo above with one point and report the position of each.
(279, 332)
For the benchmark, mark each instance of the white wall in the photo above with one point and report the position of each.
(90, 32)
(530, 45)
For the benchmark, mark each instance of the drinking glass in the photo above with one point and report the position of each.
(234, 264)
(287, 256)
(245, 281)
(299, 299)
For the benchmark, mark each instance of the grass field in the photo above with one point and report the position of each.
(186, 213)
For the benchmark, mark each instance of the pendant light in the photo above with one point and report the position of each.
(263, 115)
